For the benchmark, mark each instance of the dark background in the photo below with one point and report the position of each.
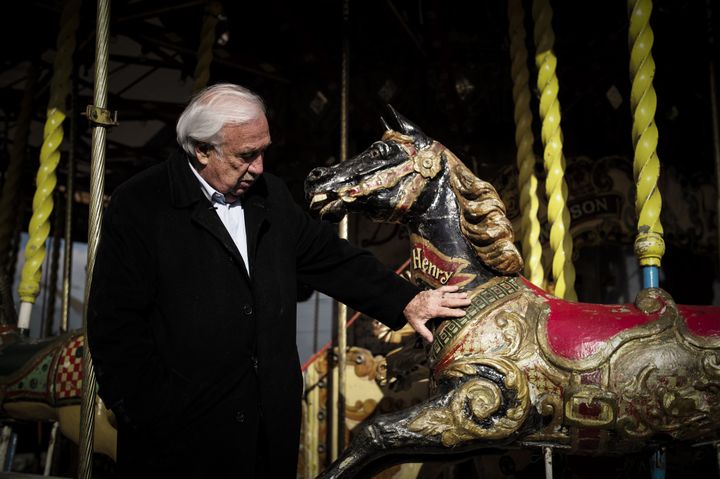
(443, 64)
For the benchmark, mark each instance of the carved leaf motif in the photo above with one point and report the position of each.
(460, 369)
(432, 422)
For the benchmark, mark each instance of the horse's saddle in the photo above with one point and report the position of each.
(584, 332)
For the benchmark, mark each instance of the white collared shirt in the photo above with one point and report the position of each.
(232, 216)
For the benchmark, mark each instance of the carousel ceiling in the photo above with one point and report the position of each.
(445, 65)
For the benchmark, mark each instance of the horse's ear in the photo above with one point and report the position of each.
(385, 124)
(406, 127)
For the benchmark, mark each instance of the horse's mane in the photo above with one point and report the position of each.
(482, 219)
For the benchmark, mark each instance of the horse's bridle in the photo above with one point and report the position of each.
(427, 162)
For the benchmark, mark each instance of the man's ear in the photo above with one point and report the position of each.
(202, 153)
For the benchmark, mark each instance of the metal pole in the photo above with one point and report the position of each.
(338, 433)
(51, 287)
(51, 449)
(69, 192)
(547, 453)
(714, 109)
(97, 187)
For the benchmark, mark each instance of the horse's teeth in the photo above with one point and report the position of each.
(348, 199)
(318, 198)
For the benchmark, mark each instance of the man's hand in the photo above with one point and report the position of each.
(443, 302)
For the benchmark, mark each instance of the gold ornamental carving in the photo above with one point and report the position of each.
(475, 401)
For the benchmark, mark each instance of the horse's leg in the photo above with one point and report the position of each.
(481, 403)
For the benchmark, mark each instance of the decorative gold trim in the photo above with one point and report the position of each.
(703, 342)
(475, 401)
(407, 197)
(489, 297)
(666, 320)
(428, 162)
(382, 180)
(593, 398)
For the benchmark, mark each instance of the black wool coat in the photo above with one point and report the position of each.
(197, 358)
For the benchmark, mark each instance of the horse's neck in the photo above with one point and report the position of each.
(440, 254)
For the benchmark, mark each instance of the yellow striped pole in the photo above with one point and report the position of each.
(39, 227)
(9, 214)
(555, 186)
(207, 43)
(649, 243)
(524, 140)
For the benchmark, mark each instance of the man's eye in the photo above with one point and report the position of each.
(251, 155)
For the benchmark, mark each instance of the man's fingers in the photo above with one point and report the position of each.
(454, 302)
(451, 313)
(448, 288)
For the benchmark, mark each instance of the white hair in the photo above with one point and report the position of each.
(211, 109)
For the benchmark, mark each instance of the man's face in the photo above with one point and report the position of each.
(234, 165)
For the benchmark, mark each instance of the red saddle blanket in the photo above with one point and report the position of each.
(577, 330)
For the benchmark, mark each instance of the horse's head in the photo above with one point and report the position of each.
(409, 178)
(384, 181)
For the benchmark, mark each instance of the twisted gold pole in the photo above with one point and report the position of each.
(39, 227)
(524, 140)
(554, 161)
(312, 408)
(207, 42)
(11, 187)
(649, 244)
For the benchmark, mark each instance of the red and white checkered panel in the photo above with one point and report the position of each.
(68, 381)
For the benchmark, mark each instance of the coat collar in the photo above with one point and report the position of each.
(185, 192)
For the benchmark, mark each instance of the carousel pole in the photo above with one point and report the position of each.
(338, 423)
(310, 428)
(39, 227)
(9, 213)
(556, 188)
(51, 287)
(649, 243)
(67, 253)
(524, 140)
(69, 192)
(712, 88)
(101, 119)
(213, 11)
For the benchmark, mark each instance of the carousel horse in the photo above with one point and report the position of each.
(41, 380)
(522, 367)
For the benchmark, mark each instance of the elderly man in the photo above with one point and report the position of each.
(191, 317)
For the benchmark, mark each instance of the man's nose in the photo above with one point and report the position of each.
(256, 167)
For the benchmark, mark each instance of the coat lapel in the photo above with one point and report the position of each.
(186, 193)
(255, 215)
(205, 216)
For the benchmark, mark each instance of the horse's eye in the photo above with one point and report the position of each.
(374, 153)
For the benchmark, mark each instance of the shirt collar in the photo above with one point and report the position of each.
(210, 193)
